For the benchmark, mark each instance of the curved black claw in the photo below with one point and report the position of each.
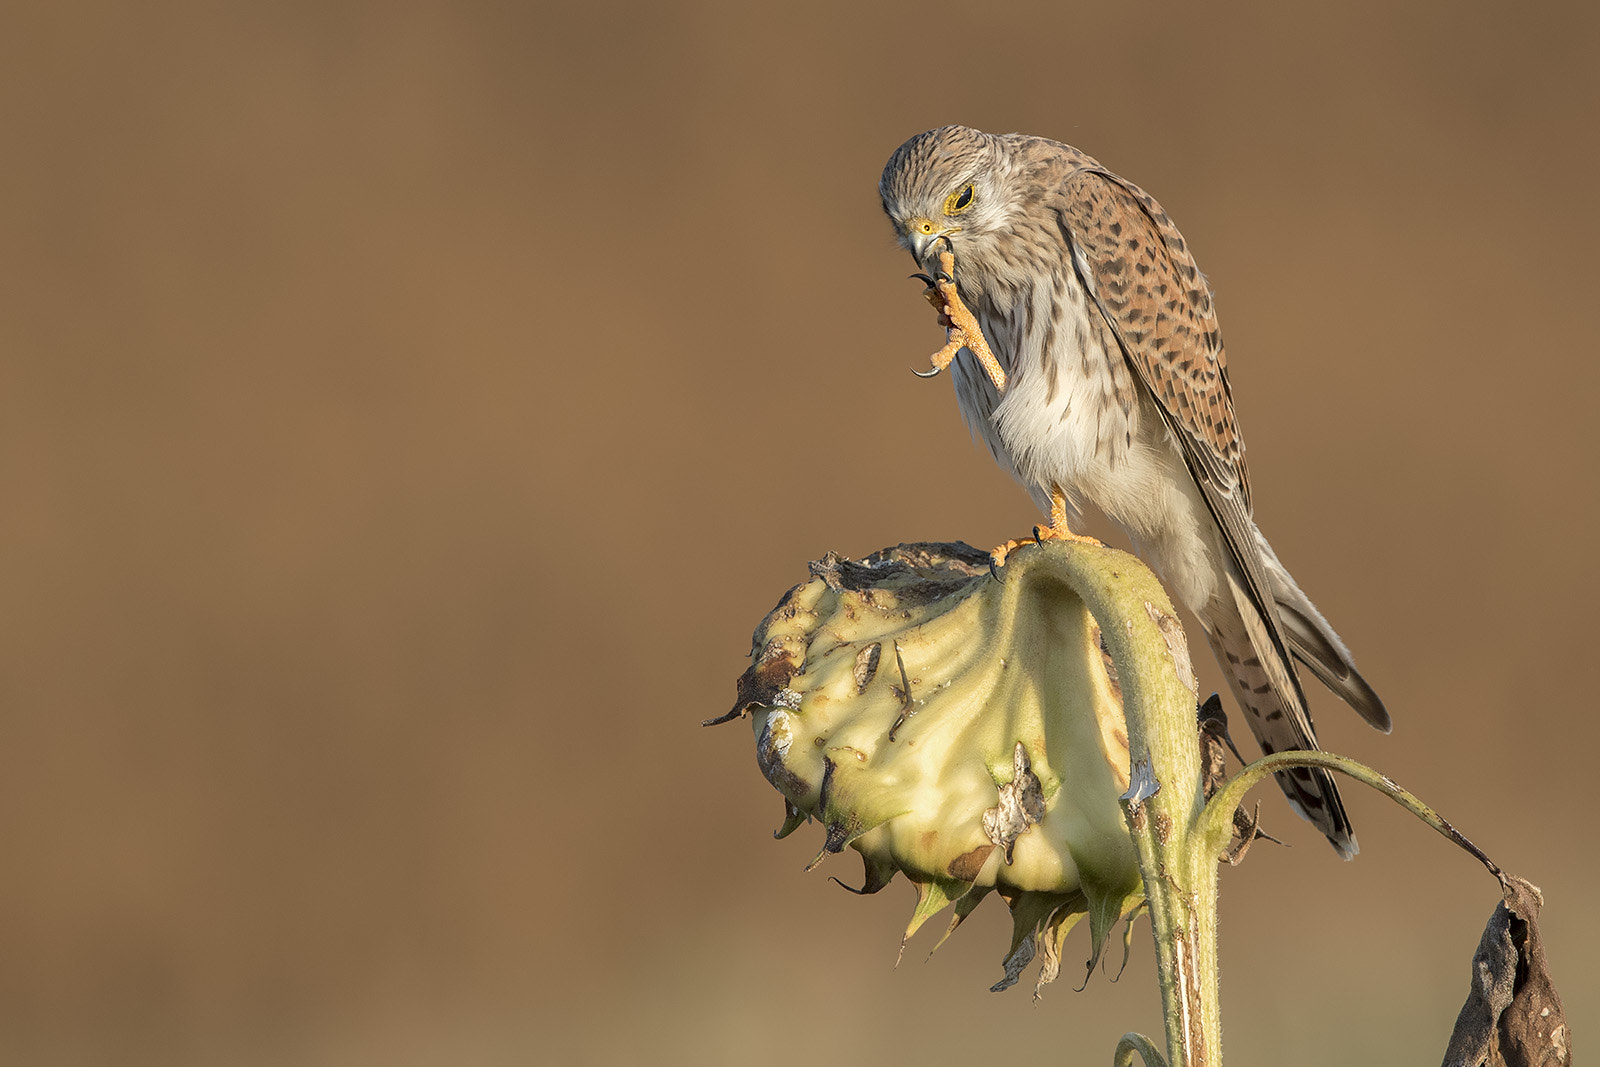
(947, 242)
(994, 570)
(934, 373)
(1038, 538)
(923, 278)
(942, 276)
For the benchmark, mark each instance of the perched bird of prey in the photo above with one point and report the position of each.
(1107, 385)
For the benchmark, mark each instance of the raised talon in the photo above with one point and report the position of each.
(961, 326)
(923, 278)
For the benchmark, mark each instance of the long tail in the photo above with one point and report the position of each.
(1268, 690)
(1316, 645)
(1251, 650)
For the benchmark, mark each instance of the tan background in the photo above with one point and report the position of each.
(409, 411)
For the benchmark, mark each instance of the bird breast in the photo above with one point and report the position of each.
(1074, 417)
(1068, 417)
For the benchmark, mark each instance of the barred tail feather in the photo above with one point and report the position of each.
(1265, 685)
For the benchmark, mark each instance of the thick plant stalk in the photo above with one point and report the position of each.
(1165, 799)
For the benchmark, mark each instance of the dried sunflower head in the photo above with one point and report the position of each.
(962, 731)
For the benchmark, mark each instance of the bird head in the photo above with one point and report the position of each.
(945, 185)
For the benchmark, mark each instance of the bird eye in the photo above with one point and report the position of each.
(957, 202)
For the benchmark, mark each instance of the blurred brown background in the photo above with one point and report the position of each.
(409, 410)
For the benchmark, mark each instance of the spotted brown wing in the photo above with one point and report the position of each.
(1155, 299)
(1142, 278)
(1137, 267)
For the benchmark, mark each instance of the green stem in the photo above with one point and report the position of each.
(1146, 1049)
(1216, 823)
(1165, 801)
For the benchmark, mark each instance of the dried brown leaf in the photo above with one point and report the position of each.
(1513, 1015)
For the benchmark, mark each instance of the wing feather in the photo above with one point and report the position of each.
(1145, 283)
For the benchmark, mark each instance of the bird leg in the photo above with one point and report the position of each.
(961, 325)
(1056, 531)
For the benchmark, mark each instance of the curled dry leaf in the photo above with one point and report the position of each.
(1513, 1015)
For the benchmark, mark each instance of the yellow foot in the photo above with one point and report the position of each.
(1056, 531)
(961, 325)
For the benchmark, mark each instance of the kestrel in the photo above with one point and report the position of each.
(1109, 387)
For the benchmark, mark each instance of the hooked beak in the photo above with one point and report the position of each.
(923, 237)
